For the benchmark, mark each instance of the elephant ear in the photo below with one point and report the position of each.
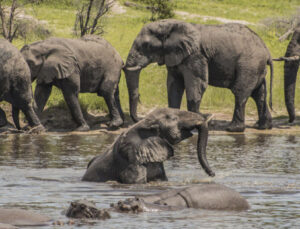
(182, 41)
(59, 63)
(153, 149)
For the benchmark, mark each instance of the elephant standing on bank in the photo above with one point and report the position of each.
(89, 64)
(137, 155)
(228, 56)
(291, 66)
(15, 86)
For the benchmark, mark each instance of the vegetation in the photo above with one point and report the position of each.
(121, 30)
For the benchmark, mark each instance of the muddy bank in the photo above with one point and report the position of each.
(58, 119)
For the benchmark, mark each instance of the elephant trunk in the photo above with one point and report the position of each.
(201, 148)
(290, 74)
(132, 80)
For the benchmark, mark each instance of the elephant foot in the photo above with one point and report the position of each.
(263, 126)
(236, 127)
(115, 123)
(3, 122)
(82, 128)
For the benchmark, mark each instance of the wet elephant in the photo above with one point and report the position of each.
(15, 86)
(291, 66)
(89, 64)
(229, 56)
(204, 196)
(137, 155)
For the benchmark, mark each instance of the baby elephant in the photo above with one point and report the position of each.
(15, 86)
(137, 155)
(89, 64)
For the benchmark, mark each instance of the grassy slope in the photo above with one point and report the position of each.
(122, 29)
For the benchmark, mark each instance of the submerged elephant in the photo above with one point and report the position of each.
(15, 86)
(137, 155)
(89, 64)
(205, 196)
(229, 56)
(291, 66)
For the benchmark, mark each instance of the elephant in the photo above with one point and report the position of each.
(205, 196)
(89, 64)
(15, 86)
(137, 155)
(10, 217)
(228, 56)
(291, 66)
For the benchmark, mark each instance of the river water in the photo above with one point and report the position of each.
(43, 172)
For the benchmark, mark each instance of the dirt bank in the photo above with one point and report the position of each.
(58, 119)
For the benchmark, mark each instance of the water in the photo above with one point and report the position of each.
(42, 173)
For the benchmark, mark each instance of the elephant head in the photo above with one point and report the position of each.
(291, 66)
(49, 60)
(166, 42)
(138, 154)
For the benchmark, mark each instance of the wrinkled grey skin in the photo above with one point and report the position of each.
(204, 196)
(137, 155)
(291, 66)
(20, 217)
(89, 64)
(15, 85)
(229, 56)
(83, 209)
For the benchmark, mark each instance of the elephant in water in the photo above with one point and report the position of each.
(89, 64)
(291, 66)
(137, 155)
(205, 196)
(229, 56)
(15, 86)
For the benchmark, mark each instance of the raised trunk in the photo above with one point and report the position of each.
(201, 148)
(132, 80)
(290, 74)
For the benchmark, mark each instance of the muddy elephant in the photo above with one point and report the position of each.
(15, 86)
(89, 64)
(291, 66)
(137, 155)
(229, 56)
(204, 196)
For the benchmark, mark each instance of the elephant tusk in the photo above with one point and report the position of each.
(291, 58)
(207, 120)
(135, 68)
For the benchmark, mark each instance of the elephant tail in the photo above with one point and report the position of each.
(270, 63)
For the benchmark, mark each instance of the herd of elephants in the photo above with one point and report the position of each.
(229, 56)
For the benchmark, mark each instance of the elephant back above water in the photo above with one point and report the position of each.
(137, 155)
(89, 64)
(229, 56)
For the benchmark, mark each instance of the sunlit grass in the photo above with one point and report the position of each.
(121, 30)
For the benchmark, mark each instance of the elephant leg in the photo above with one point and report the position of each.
(3, 120)
(175, 86)
(134, 174)
(108, 92)
(156, 171)
(195, 86)
(238, 121)
(117, 99)
(41, 96)
(260, 97)
(15, 115)
(70, 93)
(30, 115)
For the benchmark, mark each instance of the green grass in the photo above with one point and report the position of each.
(122, 29)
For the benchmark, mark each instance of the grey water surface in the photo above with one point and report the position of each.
(43, 172)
